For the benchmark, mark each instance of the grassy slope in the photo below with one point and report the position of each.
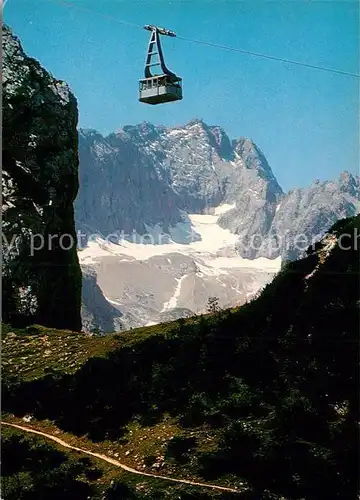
(31, 353)
(248, 384)
(38, 352)
(96, 477)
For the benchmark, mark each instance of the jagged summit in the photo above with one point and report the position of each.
(145, 130)
(348, 183)
(196, 121)
(89, 133)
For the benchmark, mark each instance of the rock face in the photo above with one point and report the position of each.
(255, 192)
(96, 312)
(303, 215)
(42, 277)
(120, 189)
(144, 176)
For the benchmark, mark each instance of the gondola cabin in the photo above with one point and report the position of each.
(164, 87)
(160, 89)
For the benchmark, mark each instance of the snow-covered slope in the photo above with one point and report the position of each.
(149, 283)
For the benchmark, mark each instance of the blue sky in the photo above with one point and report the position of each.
(304, 120)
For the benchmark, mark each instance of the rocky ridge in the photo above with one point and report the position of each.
(144, 176)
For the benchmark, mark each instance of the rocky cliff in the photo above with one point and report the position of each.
(120, 188)
(96, 312)
(41, 273)
(302, 216)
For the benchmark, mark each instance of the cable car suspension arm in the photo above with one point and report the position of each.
(154, 49)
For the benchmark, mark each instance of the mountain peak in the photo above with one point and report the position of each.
(89, 133)
(216, 136)
(254, 159)
(196, 121)
(348, 177)
(221, 142)
(143, 131)
(349, 183)
(245, 145)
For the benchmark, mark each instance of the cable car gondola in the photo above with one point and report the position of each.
(166, 86)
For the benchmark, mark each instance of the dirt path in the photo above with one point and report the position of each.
(117, 463)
